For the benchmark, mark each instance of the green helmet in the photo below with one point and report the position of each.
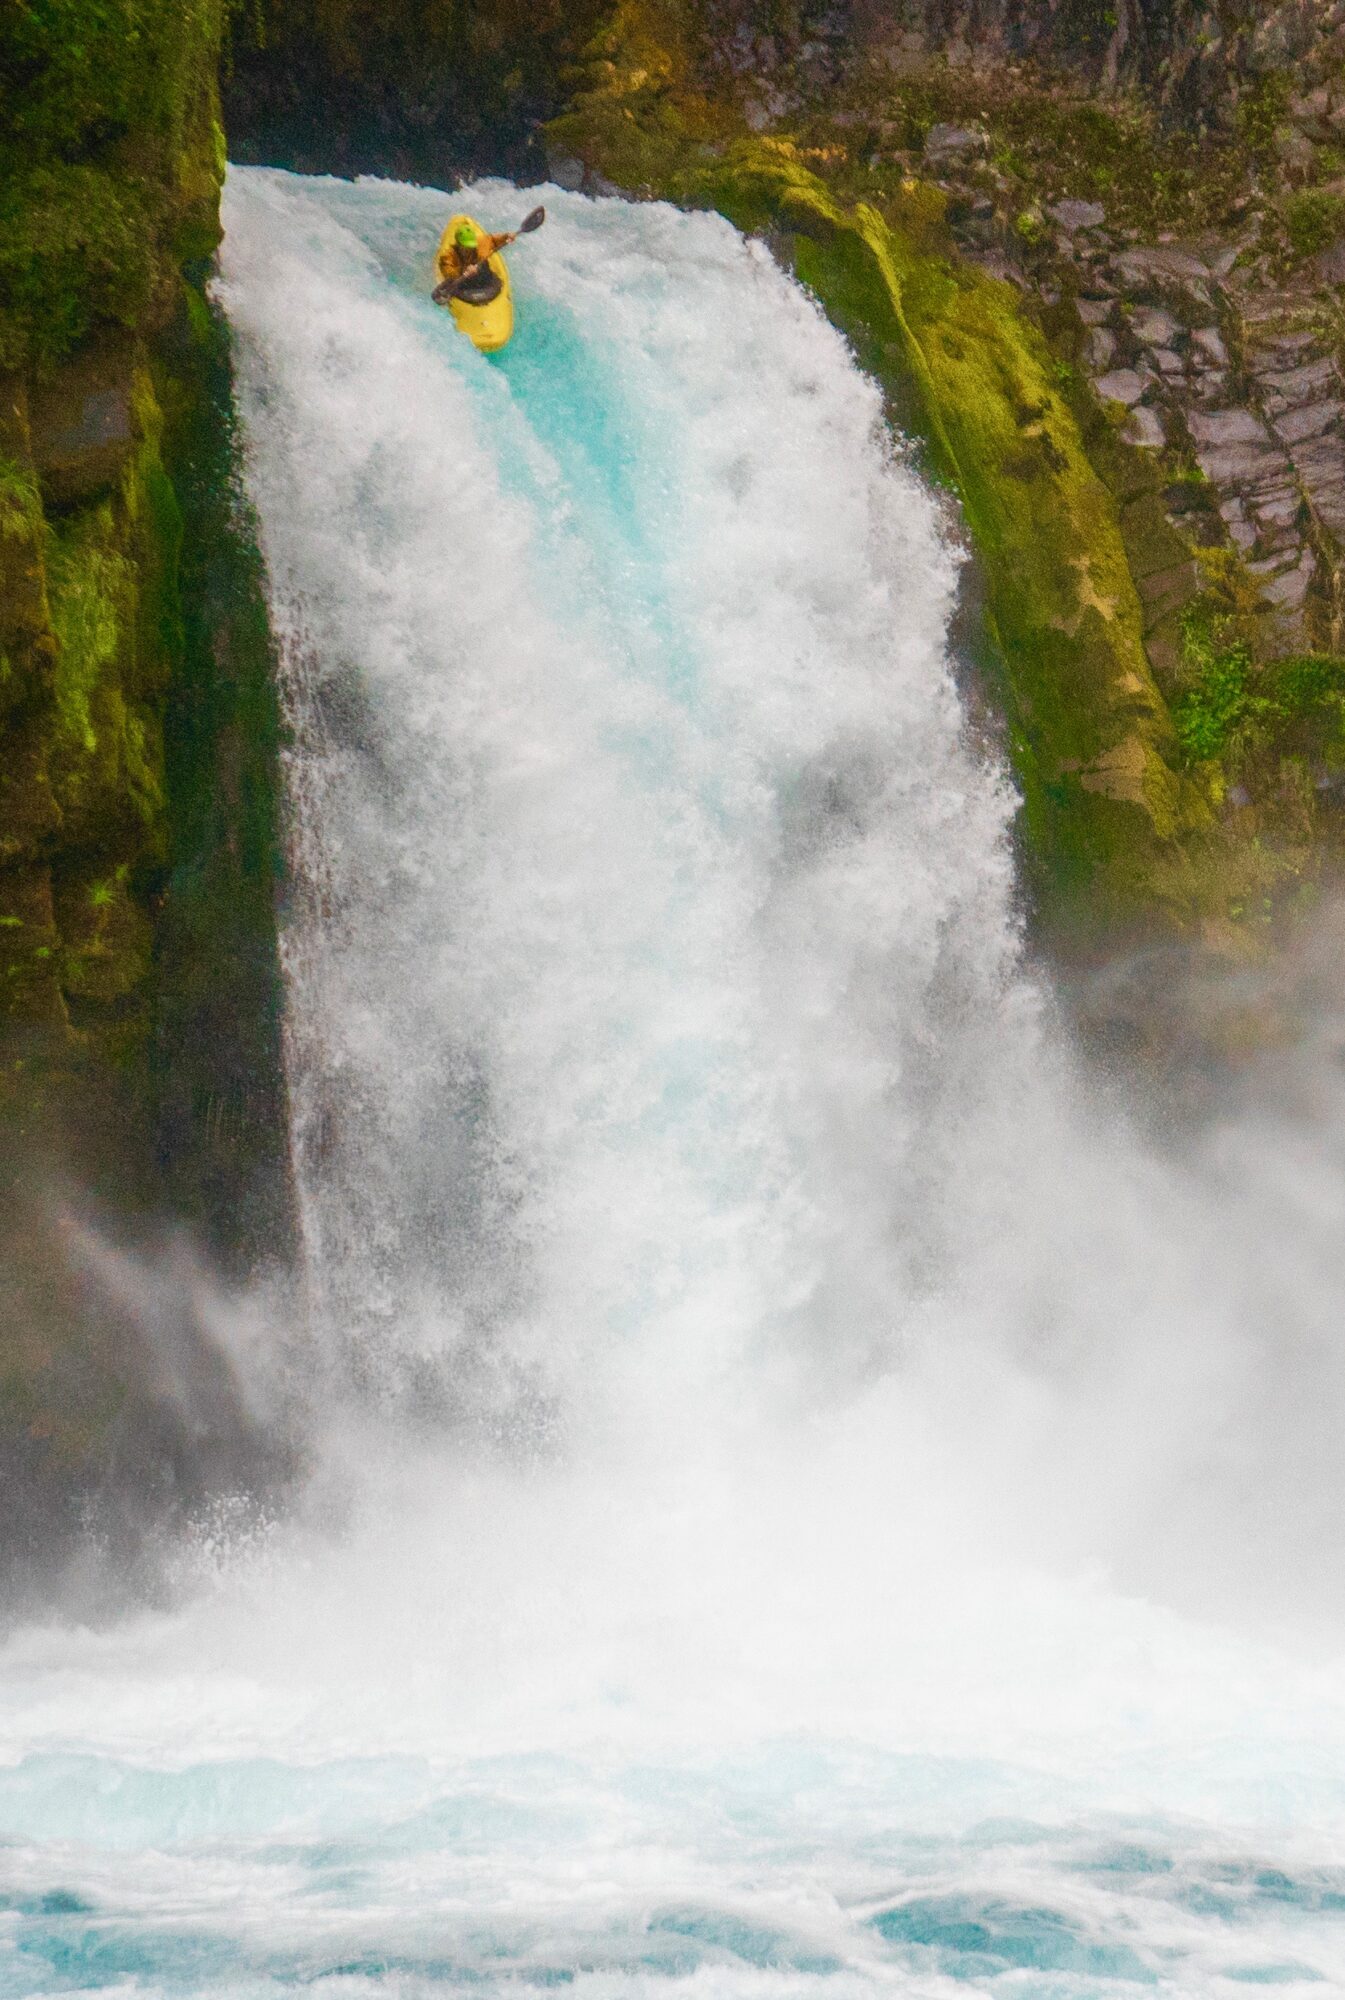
(466, 237)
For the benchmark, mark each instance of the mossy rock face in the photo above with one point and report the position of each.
(140, 1062)
(139, 985)
(110, 166)
(84, 825)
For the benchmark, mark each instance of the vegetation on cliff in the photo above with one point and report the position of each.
(111, 157)
(139, 1054)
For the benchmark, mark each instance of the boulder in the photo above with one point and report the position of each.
(1099, 350)
(1238, 464)
(83, 427)
(1155, 327)
(1297, 426)
(1075, 215)
(1289, 590)
(1329, 264)
(949, 143)
(1303, 384)
(1312, 114)
(1123, 385)
(1210, 349)
(1145, 429)
(1228, 427)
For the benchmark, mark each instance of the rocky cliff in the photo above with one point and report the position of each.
(1193, 59)
(139, 1070)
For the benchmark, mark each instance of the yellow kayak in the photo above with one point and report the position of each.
(488, 326)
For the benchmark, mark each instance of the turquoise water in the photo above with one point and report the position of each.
(790, 1872)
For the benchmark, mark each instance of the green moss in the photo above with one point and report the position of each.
(1262, 113)
(1221, 700)
(92, 598)
(76, 252)
(20, 501)
(108, 581)
(1313, 218)
(107, 153)
(1247, 715)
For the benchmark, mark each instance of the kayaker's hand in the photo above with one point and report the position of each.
(443, 291)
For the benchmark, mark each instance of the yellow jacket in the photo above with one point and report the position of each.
(452, 263)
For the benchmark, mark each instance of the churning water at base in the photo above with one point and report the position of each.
(805, 1503)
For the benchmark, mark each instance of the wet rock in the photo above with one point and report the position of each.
(1279, 509)
(566, 172)
(82, 427)
(1073, 216)
(1144, 428)
(1155, 327)
(1099, 350)
(1228, 427)
(1297, 385)
(1289, 590)
(1297, 426)
(1123, 385)
(1169, 590)
(1329, 264)
(1169, 363)
(1210, 349)
(948, 143)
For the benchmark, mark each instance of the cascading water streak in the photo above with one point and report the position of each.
(782, 1441)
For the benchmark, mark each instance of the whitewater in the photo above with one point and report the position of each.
(804, 1495)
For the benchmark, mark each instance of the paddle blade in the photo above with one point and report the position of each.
(531, 222)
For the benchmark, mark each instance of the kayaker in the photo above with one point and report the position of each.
(466, 256)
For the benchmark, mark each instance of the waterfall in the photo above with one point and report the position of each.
(656, 915)
(808, 1498)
